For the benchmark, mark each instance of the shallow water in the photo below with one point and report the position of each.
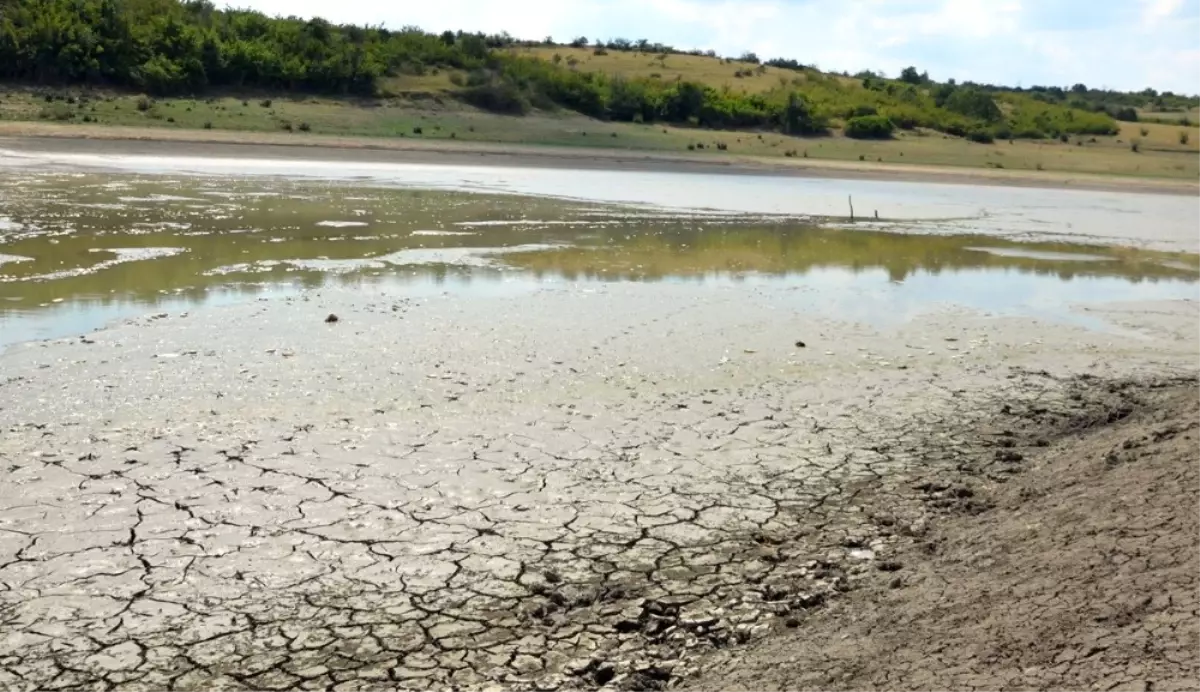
(1154, 221)
(78, 250)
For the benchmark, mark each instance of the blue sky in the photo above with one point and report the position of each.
(1122, 44)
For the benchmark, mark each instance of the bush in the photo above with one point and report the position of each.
(1144, 131)
(981, 136)
(869, 127)
(955, 129)
(265, 103)
(497, 97)
(1064, 138)
(1183, 137)
(144, 104)
(1134, 146)
(1127, 114)
(417, 130)
(207, 125)
(599, 50)
(305, 127)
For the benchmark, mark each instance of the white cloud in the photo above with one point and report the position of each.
(1128, 46)
(1155, 12)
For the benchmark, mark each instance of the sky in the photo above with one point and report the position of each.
(1119, 44)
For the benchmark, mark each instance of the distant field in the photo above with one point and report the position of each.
(438, 116)
(714, 72)
(1192, 116)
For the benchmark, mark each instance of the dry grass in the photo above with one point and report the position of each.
(714, 72)
(1193, 115)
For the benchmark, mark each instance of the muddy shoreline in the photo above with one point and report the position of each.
(504, 492)
(39, 137)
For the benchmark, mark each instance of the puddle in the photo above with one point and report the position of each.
(79, 251)
(5, 259)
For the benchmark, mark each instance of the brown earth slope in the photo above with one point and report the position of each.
(1080, 573)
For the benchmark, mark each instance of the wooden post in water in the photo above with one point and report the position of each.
(850, 199)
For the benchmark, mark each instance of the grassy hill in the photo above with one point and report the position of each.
(165, 64)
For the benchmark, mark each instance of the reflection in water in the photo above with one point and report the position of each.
(80, 250)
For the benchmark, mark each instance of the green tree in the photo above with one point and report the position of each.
(973, 103)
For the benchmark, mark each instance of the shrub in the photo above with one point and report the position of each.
(973, 103)
(245, 103)
(285, 126)
(207, 125)
(599, 50)
(1144, 131)
(457, 79)
(497, 97)
(170, 119)
(691, 147)
(981, 136)
(417, 130)
(1127, 114)
(265, 103)
(1064, 138)
(869, 127)
(798, 118)
(1183, 137)
(1134, 146)
(144, 104)
(722, 146)
(305, 127)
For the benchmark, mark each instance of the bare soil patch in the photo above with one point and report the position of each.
(1080, 573)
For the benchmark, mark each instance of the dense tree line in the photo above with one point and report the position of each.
(167, 46)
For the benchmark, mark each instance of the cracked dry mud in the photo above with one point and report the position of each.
(590, 520)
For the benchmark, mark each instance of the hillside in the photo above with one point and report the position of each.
(165, 63)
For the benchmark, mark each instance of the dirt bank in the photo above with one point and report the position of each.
(35, 136)
(1077, 573)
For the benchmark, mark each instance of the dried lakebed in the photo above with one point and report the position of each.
(560, 480)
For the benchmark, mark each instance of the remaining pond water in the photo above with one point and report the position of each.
(79, 249)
